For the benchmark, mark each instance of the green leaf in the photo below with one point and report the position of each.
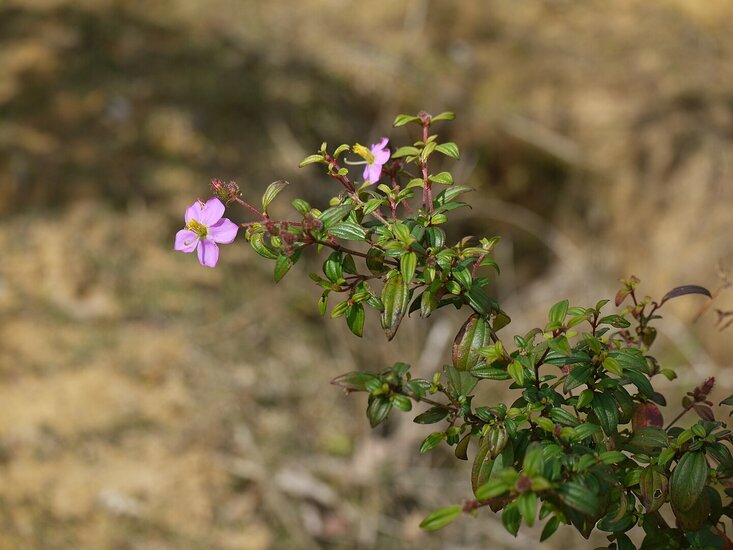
(612, 457)
(323, 302)
(447, 115)
(484, 465)
(527, 505)
(355, 381)
(558, 312)
(613, 366)
(332, 267)
(355, 319)
(341, 149)
(431, 441)
(494, 487)
(375, 261)
(721, 454)
(282, 266)
(461, 382)
(498, 438)
(447, 195)
(271, 192)
(473, 335)
(408, 263)
(580, 498)
(401, 120)
(654, 487)
(511, 518)
(640, 380)
(666, 455)
(463, 277)
(629, 358)
(334, 214)
(516, 371)
(378, 410)
(623, 542)
(402, 233)
(371, 205)
(449, 149)
(428, 303)
(549, 529)
(560, 344)
(688, 480)
(604, 407)
(462, 447)
(584, 399)
(395, 298)
(586, 430)
(348, 230)
(443, 178)
(405, 151)
(427, 150)
(563, 417)
(480, 302)
(578, 376)
(311, 159)
(339, 310)
(301, 206)
(727, 401)
(490, 373)
(348, 264)
(441, 518)
(402, 402)
(431, 416)
(615, 321)
(257, 241)
(533, 460)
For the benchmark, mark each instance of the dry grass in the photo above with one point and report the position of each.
(148, 403)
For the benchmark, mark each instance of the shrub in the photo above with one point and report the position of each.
(584, 442)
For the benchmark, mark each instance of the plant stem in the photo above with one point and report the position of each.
(340, 248)
(537, 366)
(427, 194)
(252, 209)
(676, 418)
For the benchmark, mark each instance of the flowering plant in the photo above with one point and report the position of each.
(583, 442)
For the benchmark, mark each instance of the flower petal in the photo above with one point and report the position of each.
(208, 253)
(373, 173)
(381, 144)
(224, 231)
(381, 157)
(365, 175)
(186, 241)
(212, 212)
(193, 212)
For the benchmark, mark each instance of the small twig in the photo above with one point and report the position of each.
(676, 418)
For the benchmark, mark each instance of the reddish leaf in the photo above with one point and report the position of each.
(685, 289)
(646, 415)
(704, 412)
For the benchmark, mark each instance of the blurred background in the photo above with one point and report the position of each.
(149, 403)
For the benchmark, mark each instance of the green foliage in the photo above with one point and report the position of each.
(583, 442)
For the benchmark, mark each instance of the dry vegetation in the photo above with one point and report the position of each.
(145, 403)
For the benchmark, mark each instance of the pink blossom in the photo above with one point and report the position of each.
(379, 155)
(204, 228)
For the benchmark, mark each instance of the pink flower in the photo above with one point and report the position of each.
(204, 228)
(377, 157)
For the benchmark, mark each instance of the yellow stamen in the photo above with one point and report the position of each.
(363, 152)
(197, 227)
